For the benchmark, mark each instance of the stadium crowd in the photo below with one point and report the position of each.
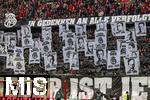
(50, 9)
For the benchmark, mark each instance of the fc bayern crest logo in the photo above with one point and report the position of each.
(10, 20)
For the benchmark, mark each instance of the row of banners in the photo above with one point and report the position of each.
(74, 42)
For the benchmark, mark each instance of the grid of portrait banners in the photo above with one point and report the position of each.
(75, 41)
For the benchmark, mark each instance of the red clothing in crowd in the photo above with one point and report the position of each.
(71, 8)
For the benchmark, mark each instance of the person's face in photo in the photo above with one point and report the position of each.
(100, 40)
(141, 27)
(131, 46)
(101, 26)
(100, 54)
(12, 43)
(131, 63)
(70, 42)
(90, 47)
(81, 42)
(119, 27)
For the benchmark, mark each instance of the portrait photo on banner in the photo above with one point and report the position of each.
(121, 46)
(118, 28)
(62, 29)
(99, 56)
(46, 33)
(89, 47)
(80, 30)
(3, 49)
(50, 61)
(113, 59)
(80, 43)
(100, 39)
(26, 36)
(10, 60)
(66, 54)
(131, 50)
(130, 35)
(74, 61)
(19, 67)
(132, 65)
(101, 26)
(140, 28)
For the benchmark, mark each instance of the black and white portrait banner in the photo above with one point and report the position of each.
(46, 33)
(11, 41)
(63, 28)
(46, 47)
(50, 61)
(132, 65)
(140, 28)
(34, 56)
(10, 60)
(118, 28)
(2, 36)
(113, 59)
(100, 39)
(80, 30)
(27, 41)
(121, 46)
(130, 36)
(99, 56)
(131, 50)
(3, 49)
(89, 47)
(101, 26)
(66, 54)
(70, 40)
(19, 67)
(80, 43)
(19, 54)
(74, 61)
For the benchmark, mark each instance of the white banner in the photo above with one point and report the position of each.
(131, 50)
(66, 54)
(11, 42)
(113, 59)
(26, 36)
(132, 65)
(46, 47)
(34, 56)
(19, 67)
(50, 61)
(121, 46)
(10, 60)
(80, 30)
(140, 28)
(70, 40)
(100, 39)
(101, 26)
(3, 49)
(99, 56)
(19, 54)
(63, 28)
(46, 33)
(89, 47)
(80, 42)
(118, 28)
(74, 61)
(130, 36)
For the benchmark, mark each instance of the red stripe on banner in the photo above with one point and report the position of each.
(65, 90)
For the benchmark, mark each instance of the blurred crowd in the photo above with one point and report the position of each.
(50, 9)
